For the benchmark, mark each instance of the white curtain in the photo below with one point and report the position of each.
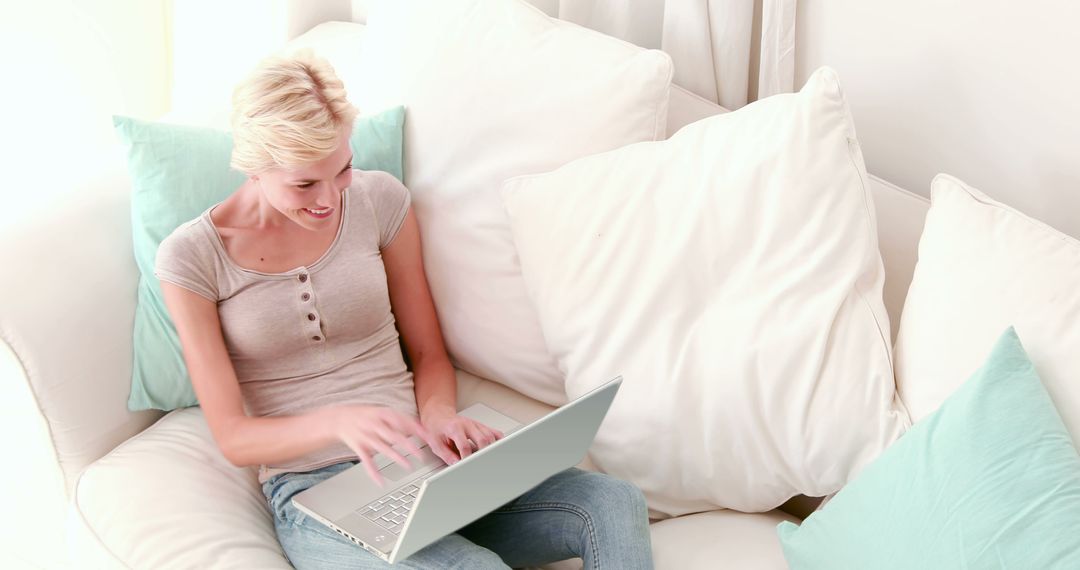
(730, 52)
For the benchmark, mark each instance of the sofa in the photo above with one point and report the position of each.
(96, 485)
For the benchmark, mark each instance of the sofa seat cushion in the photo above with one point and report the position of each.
(167, 498)
(716, 539)
(720, 539)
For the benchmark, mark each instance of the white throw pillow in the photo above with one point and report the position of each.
(983, 267)
(494, 89)
(731, 274)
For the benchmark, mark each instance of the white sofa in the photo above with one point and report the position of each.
(95, 485)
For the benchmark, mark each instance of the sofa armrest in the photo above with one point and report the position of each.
(67, 307)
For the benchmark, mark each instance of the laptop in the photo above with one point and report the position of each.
(418, 507)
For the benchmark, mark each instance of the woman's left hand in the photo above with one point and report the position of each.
(462, 434)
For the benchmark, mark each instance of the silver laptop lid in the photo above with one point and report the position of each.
(336, 502)
(495, 475)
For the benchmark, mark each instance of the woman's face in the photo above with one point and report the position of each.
(310, 195)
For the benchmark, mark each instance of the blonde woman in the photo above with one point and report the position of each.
(288, 298)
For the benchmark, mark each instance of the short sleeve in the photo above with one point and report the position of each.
(184, 258)
(390, 199)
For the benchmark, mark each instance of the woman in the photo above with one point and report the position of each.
(288, 297)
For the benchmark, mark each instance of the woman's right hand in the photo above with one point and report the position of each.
(370, 429)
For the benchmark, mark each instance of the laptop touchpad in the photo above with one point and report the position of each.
(422, 464)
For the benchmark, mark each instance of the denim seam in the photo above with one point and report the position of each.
(297, 521)
(563, 507)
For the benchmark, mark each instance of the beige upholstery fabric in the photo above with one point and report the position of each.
(167, 498)
(720, 539)
(65, 379)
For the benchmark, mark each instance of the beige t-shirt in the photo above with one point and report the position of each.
(313, 336)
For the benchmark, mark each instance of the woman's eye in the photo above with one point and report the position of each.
(304, 185)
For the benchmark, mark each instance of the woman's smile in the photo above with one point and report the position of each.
(319, 214)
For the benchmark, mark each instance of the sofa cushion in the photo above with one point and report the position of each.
(720, 539)
(716, 539)
(984, 266)
(65, 359)
(167, 498)
(495, 88)
(989, 480)
(731, 274)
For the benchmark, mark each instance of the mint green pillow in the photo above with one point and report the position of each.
(177, 172)
(990, 480)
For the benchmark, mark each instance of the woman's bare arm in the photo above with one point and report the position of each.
(433, 375)
(246, 440)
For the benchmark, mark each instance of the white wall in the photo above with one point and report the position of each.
(988, 91)
(216, 43)
(984, 90)
(68, 66)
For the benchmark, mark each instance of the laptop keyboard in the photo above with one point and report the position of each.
(391, 510)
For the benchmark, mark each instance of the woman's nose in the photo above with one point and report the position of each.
(329, 196)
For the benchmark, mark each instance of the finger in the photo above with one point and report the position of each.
(480, 434)
(488, 436)
(405, 442)
(369, 466)
(440, 447)
(423, 434)
(410, 446)
(406, 423)
(407, 426)
(394, 455)
(417, 429)
(492, 432)
(464, 448)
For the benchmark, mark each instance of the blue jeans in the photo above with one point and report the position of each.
(575, 513)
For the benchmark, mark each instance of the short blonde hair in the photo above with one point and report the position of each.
(289, 112)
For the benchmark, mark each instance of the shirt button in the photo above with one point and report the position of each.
(305, 297)
(311, 316)
(303, 277)
(316, 338)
